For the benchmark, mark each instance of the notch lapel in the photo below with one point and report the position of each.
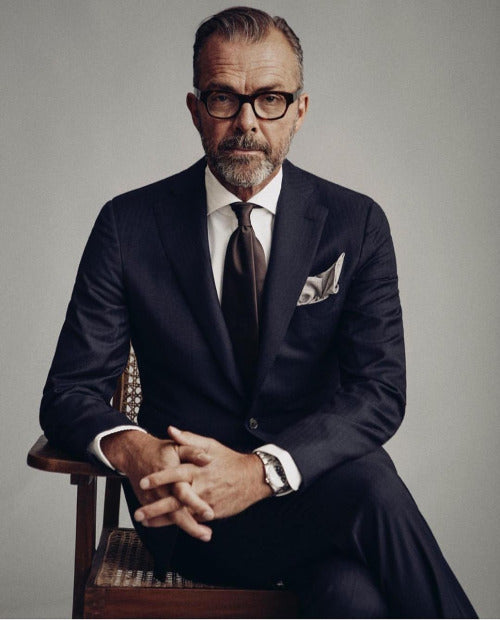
(182, 222)
(297, 230)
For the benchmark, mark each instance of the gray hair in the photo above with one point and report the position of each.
(252, 25)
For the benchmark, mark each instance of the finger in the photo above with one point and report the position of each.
(183, 496)
(194, 454)
(181, 473)
(188, 523)
(187, 497)
(163, 506)
(186, 438)
(157, 522)
(185, 521)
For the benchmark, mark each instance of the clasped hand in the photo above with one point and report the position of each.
(201, 480)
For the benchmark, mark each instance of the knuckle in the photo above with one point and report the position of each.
(154, 511)
(164, 450)
(174, 504)
(177, 517)
(183, 494)
(151, 480)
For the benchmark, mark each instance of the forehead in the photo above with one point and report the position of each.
(246, 67)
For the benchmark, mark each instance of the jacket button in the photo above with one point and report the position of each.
(253, 424)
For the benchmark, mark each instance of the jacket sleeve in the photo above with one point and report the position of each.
(92, 349)
(369, 405)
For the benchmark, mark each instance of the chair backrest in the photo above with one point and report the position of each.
(127, 399)
(128, 395)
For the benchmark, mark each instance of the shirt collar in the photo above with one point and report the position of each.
(218, 196)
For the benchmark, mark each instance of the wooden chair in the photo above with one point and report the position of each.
(116, 579)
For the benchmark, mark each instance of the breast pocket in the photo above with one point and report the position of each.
(325, 307)
(311, 331)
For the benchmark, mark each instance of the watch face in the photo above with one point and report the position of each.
(275, 474)
(277, 477)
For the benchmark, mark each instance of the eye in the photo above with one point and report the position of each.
(219, 98)
(271, 100)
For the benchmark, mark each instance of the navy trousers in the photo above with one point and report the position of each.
(352, 545)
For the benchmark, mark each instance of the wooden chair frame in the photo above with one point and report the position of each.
(175, 598)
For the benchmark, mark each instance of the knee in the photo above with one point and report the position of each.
(372, 483)
(386, 494)
(338, 587)
(358, 496)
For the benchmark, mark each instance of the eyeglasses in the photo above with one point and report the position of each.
(269, 106)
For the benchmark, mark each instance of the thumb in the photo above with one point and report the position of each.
(185, 438)
(193, 454)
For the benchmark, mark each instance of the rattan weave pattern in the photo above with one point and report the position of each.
(128, 564)
(130, 392)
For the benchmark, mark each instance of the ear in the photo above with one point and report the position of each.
(192, 104)
(302, 111)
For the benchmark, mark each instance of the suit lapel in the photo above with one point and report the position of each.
(297, 230)
(182, 222)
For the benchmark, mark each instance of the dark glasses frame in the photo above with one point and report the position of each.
(203, 95)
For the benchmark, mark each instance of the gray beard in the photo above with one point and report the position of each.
(244, 171)
(239, 171)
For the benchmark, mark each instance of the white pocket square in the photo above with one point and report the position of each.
(317, 288)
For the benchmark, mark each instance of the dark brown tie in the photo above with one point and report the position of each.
(243, 283)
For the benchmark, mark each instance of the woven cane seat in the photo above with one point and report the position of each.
(128, 564)
(122, 585)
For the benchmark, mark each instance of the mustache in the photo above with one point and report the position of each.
(243, 142)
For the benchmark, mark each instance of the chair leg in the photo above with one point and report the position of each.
(112, 503)
(85, 537)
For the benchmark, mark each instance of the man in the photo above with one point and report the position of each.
(262, 304)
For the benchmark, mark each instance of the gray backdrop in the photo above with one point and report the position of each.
(404, 106)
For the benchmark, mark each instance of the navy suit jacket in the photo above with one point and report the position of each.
(331, 379)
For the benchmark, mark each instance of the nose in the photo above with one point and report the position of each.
(246, 120)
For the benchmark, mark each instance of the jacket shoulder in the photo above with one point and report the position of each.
(331, 193)
(343, 204)
(149, 194)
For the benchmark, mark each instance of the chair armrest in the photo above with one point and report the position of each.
(47, 458)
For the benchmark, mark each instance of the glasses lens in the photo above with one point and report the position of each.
(222, 105)
(270, 105)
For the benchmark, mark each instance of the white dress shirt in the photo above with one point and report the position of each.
(221, 223)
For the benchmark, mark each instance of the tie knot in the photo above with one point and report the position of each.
(242, 211)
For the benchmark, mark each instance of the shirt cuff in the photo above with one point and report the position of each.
(94, 446)
(293, 475)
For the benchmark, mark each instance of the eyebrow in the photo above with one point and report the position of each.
(226, 88)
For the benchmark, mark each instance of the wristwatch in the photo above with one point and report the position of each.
(274, 473)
